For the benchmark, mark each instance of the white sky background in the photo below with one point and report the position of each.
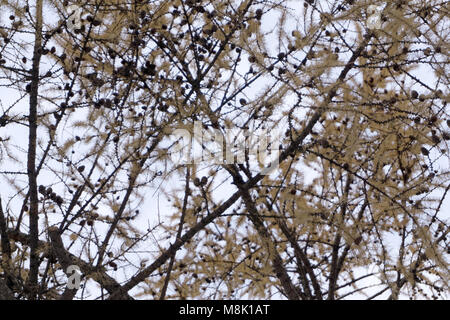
(156, 205)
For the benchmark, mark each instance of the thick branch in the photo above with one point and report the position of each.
(289, 288)
(180, 230)
(31, 163)
(141, 276)
(63, 258)
(5, 292)
(6, 248)
(96, 274)
(302, 259)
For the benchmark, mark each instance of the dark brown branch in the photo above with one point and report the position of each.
(124, 203)
(290, 290)
(6, 254)
(6, 247)
(5, 292)
(31, 162)
(63, 258)
(141, 276)
(302, 259)
(96, 274)
(334, 272)
(180, 230)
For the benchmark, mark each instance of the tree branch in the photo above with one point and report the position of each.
(96, 274)
(5, 292)
(31, 163)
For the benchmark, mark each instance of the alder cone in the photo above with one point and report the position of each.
(41, 189)
(424, 151)
(446, 136)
